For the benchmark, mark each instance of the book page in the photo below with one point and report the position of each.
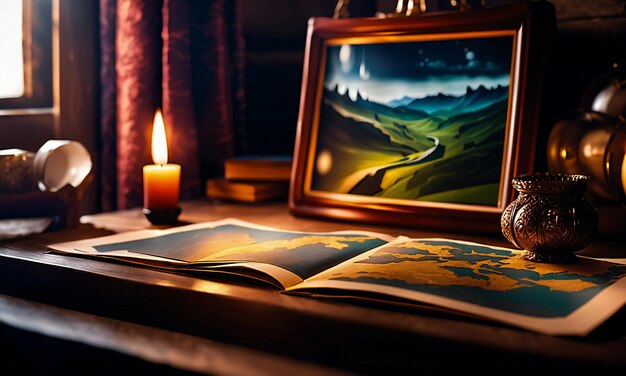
(287, 256)
(486, 281)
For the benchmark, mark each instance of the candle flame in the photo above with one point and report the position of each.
(624, 174)
(159, 141)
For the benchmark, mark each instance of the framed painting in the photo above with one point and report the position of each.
(419, 121)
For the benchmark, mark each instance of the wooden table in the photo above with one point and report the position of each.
(109, 315)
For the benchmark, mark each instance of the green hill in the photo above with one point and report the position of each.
(369, 139)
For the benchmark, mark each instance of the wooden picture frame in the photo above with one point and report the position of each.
(419, 121)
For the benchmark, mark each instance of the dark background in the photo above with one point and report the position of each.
(591, 37)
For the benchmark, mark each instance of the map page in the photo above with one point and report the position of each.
(486, 281)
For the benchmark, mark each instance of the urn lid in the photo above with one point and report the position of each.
(551, 183)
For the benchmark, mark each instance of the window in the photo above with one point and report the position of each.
(25, 54)
(52, 92)
(27, 113)
(11, 51)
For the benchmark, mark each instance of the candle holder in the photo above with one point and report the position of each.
(162, 216)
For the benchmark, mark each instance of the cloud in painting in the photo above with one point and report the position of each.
(346, 58)
(364, 73)
(383, 91)
(387, 71)
(472, 67)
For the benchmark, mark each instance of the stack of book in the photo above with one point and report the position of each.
(252, 179)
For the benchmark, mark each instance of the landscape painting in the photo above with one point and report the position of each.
(422, 120)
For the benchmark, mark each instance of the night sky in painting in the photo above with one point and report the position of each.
(387, 71)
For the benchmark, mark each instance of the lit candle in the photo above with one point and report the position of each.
(161, 181)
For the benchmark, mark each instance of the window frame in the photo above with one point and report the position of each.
(70, 110)
(37, 34)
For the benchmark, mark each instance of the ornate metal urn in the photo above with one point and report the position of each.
(550, 219)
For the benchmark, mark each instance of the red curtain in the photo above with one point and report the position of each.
(185, 56)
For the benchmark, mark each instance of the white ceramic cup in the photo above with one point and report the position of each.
(61, 162)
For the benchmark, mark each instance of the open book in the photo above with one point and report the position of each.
(477, 279)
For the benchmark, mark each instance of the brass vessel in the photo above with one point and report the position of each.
(550, 219)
